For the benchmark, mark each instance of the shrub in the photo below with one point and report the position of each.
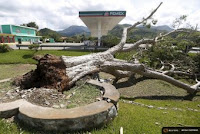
(34, 47)
(4, 48)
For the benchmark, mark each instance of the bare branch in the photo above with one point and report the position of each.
(197, 86)
(164, 35)
(161, 76)
(163, 65)
(129, 47)
(145, 19)
(140, 69)
(124, 66)
(119, 47)
(135, 45)
(171, 70)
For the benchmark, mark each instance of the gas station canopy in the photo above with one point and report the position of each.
(100, 22)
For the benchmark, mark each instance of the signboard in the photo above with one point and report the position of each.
(101, 13)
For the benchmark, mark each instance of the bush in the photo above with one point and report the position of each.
(110, 41)
(4, 48)
(34, 47)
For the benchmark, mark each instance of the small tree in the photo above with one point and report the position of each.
(34, 47)
(4, 48)
(31, 24)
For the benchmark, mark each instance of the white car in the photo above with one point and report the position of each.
(37, 42)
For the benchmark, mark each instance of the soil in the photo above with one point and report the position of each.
(50, 73)
(51, 97)
(40, 96)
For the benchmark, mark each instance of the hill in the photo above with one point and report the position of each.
(139, 32)
(49, 34)
(117, 31)
(163, 27)
(74, 30)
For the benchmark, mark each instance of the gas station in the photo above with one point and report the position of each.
(100, 22)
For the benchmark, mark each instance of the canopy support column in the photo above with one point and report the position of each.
(99, 32)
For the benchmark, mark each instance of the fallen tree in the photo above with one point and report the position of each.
(62, 72)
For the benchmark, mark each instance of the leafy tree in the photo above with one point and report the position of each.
(48, 33)
(31, 24)
(5, 48)
(110, 40)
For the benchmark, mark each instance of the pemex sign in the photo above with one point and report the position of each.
(101, 13)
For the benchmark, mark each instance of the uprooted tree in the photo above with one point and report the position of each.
(62, 72)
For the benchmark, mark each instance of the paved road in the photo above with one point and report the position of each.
(73, 46)
(76, 46)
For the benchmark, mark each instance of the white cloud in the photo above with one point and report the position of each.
(60, 14)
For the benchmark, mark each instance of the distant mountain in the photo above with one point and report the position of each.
(74, 30)
(117, 30)
(49, 33)
(163, 27)
(140, 31)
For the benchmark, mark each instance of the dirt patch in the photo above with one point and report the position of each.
(79, 95)
(50, 73)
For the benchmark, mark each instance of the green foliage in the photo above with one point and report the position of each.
(77, 38)
(110, 40)
(34, 47)
(48, 33)
(125, 55)
(4, 48)
(178, 21)
(185, 40)
(143, 32)
(196, 58)
(166, 52)
(31, 24)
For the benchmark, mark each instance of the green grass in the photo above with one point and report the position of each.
(125, 55)
(25, 56)
(151, 89)
(13, 70)
(139, 120)
(84, 94)
(134, 119)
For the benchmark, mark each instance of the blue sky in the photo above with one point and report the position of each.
(60, 14)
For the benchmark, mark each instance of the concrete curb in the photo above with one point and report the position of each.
(80, 118)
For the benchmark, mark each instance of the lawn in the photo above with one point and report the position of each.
(13, 70)
(25, 56)
(133, 118)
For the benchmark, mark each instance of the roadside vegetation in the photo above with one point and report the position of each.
(4, 48)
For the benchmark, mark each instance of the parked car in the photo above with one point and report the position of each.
(37, 42)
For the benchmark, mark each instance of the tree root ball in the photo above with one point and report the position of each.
(50, 73)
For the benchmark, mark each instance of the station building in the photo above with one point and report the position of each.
(100, 22)
(18, 34)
